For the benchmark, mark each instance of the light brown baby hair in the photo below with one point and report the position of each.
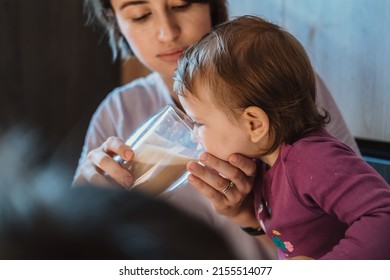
(249, 61)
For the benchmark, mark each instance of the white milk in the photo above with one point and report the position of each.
(156, 168)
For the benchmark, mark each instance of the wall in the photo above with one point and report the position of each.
(349, 44)
(54, 71)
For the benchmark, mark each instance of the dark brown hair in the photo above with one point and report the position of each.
(251, 62)
(101, 12)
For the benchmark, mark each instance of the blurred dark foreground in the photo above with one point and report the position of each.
(42, 217)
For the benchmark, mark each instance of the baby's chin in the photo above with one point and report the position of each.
(221, 156)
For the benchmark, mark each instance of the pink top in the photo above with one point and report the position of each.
(322, 201)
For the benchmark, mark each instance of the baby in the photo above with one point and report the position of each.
(250, 88)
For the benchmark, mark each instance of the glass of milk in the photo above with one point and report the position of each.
(163, 145)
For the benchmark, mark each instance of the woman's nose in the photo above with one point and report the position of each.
(168, 29)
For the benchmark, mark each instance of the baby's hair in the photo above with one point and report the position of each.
(251, 62)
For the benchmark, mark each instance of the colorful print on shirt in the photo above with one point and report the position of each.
(285, 247)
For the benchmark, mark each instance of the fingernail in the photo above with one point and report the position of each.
(190, 178)
(203, 156)
(233, 158)
(129, 155)
(191, 166)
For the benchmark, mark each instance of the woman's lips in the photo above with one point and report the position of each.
(171, 55)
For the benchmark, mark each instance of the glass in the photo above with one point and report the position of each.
(163, 145)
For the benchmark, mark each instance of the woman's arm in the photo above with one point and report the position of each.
(337, 126)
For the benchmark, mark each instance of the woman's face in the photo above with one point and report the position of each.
(158, 31)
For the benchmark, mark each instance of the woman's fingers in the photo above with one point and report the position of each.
(226, 184)
(223, 192)
(207, 175)
(221, 201)
(99, 165)
(242, 180)
(246, 165)
(106, 165)
(204, 188)
(88, 175)
(115, 146)
(97, 179)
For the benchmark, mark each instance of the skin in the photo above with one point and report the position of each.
(157, 41)
(248, 135)
(158, 31)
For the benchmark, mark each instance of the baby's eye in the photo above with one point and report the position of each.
(196, 124)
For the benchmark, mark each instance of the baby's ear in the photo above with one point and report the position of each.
(256, 122)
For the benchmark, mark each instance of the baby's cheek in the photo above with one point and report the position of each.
(211, 143)
(208, 143)
(208, 146)
(216, 149)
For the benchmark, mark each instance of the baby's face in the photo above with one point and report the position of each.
(219, 135)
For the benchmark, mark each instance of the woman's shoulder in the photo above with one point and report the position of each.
(152, 80)
(127, 106)
(145, 92)
(150, 86)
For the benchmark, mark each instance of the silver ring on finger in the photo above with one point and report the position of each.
(228, 187)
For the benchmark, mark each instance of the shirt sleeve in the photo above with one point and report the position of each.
(340, 183)
(102, 125)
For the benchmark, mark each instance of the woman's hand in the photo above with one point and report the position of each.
(233, 200)
(101, 169)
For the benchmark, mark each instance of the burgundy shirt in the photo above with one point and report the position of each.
(322, 201)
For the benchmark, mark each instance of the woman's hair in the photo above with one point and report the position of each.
(101, 12)
(251, 62)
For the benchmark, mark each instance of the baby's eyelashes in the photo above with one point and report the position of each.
(196, 124)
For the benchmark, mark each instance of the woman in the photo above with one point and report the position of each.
(157, 32)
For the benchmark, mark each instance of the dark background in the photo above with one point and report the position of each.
(54, 71)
